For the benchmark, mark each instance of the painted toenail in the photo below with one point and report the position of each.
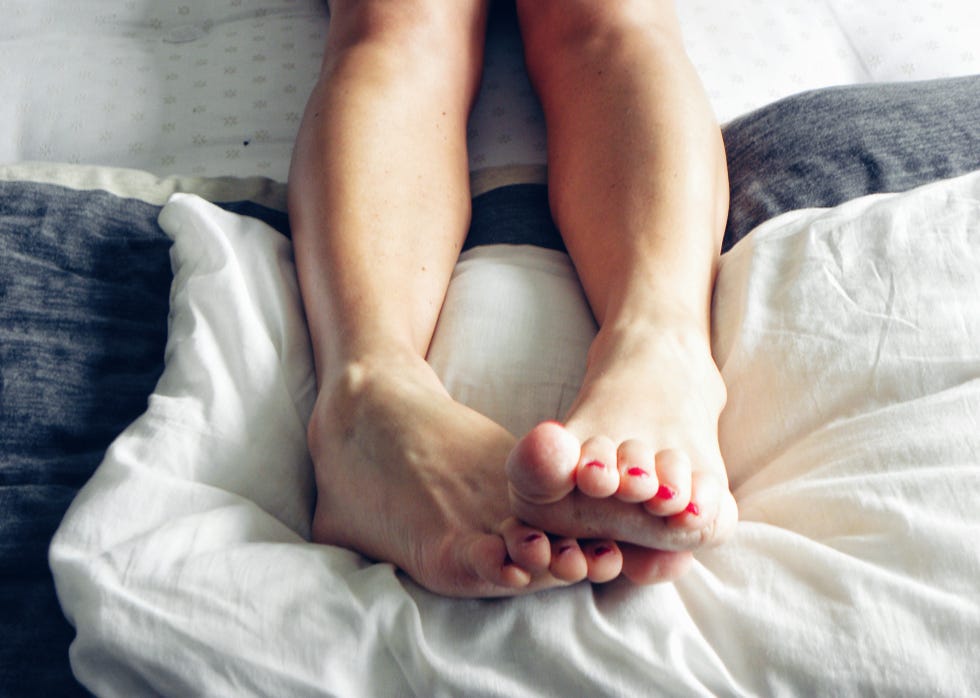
(665, 493)
(638, 472)
(602, 550)
(596, 464)
(693, 509)
(565, 548)
(530, 538)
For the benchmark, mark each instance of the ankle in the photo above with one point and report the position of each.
(660, 304)
(675, 347)
(355, 368)
(353, 391)
(681, 333)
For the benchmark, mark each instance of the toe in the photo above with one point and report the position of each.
(488, 570)
(701, 511)
(541, 467)
(674, 489)
(604, 560)
(726, 520)
(527, 547)
(597, 474)
(637, 473)
(568, 562)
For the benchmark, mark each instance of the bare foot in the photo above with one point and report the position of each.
(406, 475)
(637, 459)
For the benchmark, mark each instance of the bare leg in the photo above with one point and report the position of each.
(638, 187)
(379, 203)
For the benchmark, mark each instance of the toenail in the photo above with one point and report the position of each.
(665, 493)
(638, 472)
(565, 548)
(596, 464)
(602, 550)
(530, 538)
(693, 509)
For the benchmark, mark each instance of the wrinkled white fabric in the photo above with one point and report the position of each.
(850, 342)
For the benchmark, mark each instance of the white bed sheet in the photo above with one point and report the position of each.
(217, 87)
(848, 338)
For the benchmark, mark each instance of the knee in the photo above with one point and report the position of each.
(407, 23)
(425, 34)
(553, 27)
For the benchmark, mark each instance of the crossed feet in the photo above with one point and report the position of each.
(631, 484)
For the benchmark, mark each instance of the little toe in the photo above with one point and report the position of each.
(727, 519)
(701, 511)
(604, 560)
(637, 473)
(648, 566)
(568, 562)
(674, 488)
(597, 474)
(527, 547)
(541, 468)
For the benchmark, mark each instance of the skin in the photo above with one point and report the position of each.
(633, 481)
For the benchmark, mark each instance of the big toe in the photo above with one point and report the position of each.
(527, 547)
(541, 467)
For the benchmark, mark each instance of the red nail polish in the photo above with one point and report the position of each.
(665, 493)
(532, 537)
(602, 550)
(596, 464)
(693, 509)
(565, 548)
(638, 472)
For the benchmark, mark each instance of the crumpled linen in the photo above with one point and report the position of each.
(848, 339)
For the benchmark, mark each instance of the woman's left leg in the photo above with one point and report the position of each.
(638, 187)
(379, 203)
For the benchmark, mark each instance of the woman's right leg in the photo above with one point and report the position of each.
(638, 187)
(379, 205)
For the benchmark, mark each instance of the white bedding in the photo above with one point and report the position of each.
(217, 87)
(851, 432)
(849, 341)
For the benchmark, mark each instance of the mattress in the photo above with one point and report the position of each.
(217, 87)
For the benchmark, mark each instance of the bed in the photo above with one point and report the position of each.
(155, 491)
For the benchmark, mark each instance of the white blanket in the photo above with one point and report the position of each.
(850, 342)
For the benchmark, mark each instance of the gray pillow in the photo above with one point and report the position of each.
(825, 147)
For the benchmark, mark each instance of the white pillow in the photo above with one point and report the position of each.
(848, 338)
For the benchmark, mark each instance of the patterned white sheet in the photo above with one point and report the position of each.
(217, 87)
